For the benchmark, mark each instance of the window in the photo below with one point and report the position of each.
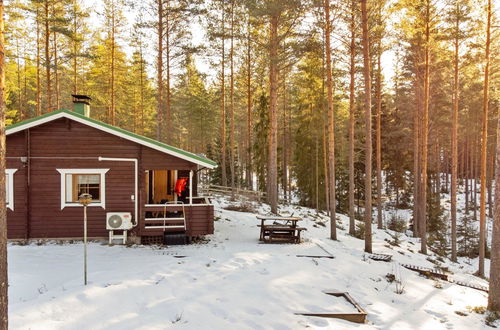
(9, 187)
(75, 182)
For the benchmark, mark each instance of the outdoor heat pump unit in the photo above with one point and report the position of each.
(118, 221)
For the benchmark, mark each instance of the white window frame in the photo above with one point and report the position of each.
(10, 194)
(102, 183)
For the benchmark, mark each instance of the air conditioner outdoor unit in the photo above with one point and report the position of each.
(118, 221)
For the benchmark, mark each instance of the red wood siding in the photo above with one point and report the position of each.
(67, 144)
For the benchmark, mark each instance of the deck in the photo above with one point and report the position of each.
(160, 218)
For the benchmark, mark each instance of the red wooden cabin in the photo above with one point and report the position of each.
(55, 157)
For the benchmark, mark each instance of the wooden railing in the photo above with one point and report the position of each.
(211, 190)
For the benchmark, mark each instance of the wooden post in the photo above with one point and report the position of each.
(190, 187)
(85, 244)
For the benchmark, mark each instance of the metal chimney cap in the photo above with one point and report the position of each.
(83, 97)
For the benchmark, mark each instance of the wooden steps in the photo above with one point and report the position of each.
(429, 272)
(380, 257)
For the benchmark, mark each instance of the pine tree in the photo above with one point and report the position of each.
(331, 125)
(4, 283)
(368, 127)
(484, 143)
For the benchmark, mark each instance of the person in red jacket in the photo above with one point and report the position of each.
(180, 186)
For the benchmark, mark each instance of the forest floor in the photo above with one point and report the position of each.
(231, 281)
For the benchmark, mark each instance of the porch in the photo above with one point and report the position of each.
(172, 206)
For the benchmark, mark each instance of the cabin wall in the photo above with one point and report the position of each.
(67, 144)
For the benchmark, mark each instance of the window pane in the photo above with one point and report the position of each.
(88, 179)
(88, 184)
(92, 189)
(69, 188)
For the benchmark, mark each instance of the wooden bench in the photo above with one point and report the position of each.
(282, 229)
(281, 233)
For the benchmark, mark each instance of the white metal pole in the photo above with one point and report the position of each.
(191, 187)
(85, 244)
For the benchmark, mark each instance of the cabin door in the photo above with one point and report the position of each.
(160, 186)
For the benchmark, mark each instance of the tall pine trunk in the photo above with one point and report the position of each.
(47, 57)
(38, 70)
(368, 128)
(454, 145)
(159, 71)
(112, 90)
(331, 125)
(56, 73)
(4, 283)
(494, 293)
(168, 97)
(379, 137)
(416, 154)
(75, 49)
(484, 147)
(352, 73)
(231, 104)
(223, 101)
(249, 174)
(272, 161)
(425, 134)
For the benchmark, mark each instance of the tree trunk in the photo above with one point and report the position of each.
(325, 169)
(331, 125)
(47, 57)
(223, 102)
(484, 148)
(4, 283)
(272, 167)
(168, 134)
(231, 100)
(56, 73)
(284, 149)
(352, 73)
(466, 173)
(494, 293)
(490, 185)
(249, 174)
(112, 107)
(159, 72)
(425, 133)
(142, 91)
(454, 146)
(38, 70)
(368, 128)
(379, 137)
(416, 157)
(75, 49)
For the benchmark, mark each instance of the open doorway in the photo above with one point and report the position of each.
(160, 186)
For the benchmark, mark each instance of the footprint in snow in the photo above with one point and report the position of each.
(263, 271)
(438, 316)
(254, 311)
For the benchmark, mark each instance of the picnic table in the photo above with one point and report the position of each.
(279, 229)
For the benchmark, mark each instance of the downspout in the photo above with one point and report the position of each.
(136, 184)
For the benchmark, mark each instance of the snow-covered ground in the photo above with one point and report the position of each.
(234, 282)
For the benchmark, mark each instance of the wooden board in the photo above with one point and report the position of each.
(380, 257)
(429, 272)
(359, 317)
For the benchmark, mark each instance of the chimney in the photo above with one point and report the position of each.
(81, 104)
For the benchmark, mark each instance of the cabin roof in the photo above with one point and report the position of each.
(148, 142)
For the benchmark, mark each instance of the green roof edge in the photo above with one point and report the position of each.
(117, 129)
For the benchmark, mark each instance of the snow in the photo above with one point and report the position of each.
(231, 281)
